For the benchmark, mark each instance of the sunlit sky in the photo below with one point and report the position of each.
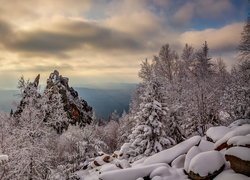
(104, 41)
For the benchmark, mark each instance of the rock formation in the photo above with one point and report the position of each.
(78, 109)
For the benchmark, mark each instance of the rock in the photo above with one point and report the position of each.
(179, 161)
(78, 110)
(239, 158)
(107, 158)
(190, 155)
(238, 131)
(206, 165)
(230, 175)
(36, 81)
(215, 133)
(243, 141)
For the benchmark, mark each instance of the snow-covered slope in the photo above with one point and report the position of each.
(194, 158)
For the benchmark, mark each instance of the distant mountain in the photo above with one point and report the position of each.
(8, 99)
(104, 101)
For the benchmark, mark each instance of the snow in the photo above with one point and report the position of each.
(108, 167)
(206, 163)
(231, 175)
(240, 152)
(179, 161)
(170, 154)
(206, 145)
(130, 173)
(239, 140)
(160, 171)
(3, 158)
(157, 178)
(122, 163)
(239, 122)
(216, 133)
(238, 131)
(190, 155)
(173, 174)
(124, 149)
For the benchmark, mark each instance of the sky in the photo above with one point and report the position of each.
(104, 41)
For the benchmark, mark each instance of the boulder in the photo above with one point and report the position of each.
(238, 131)
(206, 165)
(239, 158)
(215, 133)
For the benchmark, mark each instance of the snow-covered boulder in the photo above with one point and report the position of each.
(239, 158)
(230, 175)
(160, 171)
(239, 141)
(108, 167)
(215, 133)
(190, 155)
(130, 173)
(122, 164)
(206, 165)
(123, 153)
(3, 158)
(239, 122)
(168, 155)
(179, 161)
(101, 160)
(168, 173)
(206, 145)
(238, 131)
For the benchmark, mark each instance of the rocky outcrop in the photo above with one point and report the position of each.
(77, 109)
(79, 112)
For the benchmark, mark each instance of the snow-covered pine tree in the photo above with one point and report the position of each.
(31, 155)
(236, 98)
(244, 47)
(148, 136)
(114, 116)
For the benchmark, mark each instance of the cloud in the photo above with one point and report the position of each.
(185, 13)
(5, 31)
(105, 40)
(67, 35)
(31, 9)
(208, 9)
(223, 39)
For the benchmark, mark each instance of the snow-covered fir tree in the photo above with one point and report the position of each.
(33, 154)
(148, 136)
(244, 46)
(114, 116)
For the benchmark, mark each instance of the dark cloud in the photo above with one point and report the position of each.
(5, 31)
(67, 36)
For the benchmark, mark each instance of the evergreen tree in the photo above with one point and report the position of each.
(33, 154)
(244, 47)
(148, 136)
(114, 116)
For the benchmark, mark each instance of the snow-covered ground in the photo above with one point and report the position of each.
(187, 160)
